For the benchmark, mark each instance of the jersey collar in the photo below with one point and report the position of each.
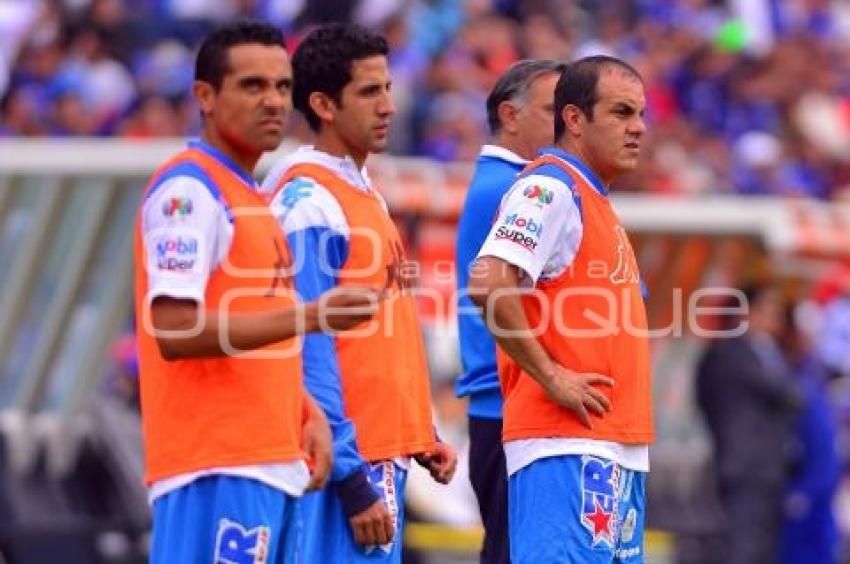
(225, 160)
(501, 153)
(588, 175)
(344, 167)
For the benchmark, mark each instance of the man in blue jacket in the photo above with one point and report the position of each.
(520, 113)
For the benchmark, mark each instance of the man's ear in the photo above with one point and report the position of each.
(323, 106)
(507, 112)
(204, 93)
(574, 119)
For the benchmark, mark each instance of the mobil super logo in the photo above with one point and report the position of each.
(523, 231)
(180, 246)
(177, 253)
(527, 224)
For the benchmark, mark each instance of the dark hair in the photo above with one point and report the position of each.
(515, 83)
(212, 62)
(577, 86)
(322, 63)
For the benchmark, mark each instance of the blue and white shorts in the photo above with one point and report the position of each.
(225, 520)
(327, 533)
(576, 509)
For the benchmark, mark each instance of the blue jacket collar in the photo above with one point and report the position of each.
(225, 160)
(503, 154)
(580, 166)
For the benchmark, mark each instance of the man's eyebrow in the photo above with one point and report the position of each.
(622, 106)
(373, 86)
(369, 88)
(251, 79)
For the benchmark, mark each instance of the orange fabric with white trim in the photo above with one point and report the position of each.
(229, 410)
(599, 294)
(384, 372)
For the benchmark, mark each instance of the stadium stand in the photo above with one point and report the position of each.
(733, 102)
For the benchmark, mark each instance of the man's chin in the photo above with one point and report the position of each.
(270, 143)
(628, 165)
(378, 145)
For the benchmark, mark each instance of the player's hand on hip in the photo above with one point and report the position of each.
(344, 307)
(317, 442)
(579, 392)
(441, 462)
(373, 526)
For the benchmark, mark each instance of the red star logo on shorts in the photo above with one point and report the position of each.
(601, 522)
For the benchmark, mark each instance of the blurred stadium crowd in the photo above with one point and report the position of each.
(736, 101)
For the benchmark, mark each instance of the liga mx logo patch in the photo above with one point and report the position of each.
(599, 488)
(179, 206)
(236, 545)
(542, 196)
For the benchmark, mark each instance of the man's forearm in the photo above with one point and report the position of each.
(194, 334)
(494, 286)
(506, 320)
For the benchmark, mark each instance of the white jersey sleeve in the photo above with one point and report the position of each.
(302, 203)
(185, 234)
(538, 228)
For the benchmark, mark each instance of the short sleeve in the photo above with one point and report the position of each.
(185, 234)
(302, 204)
(538, 227)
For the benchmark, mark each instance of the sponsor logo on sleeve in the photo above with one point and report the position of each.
(177, 253)
(516, 236)
(235, 544)
(180, 206)
(523, 231)
(527, 224)
(539, 195)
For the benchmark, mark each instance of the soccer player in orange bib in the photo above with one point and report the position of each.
(227, 425)
(562, 294)
(373, 385)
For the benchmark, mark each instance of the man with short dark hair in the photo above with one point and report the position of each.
(561, 290)
(374, 386)
(225, 418)
(520, 111)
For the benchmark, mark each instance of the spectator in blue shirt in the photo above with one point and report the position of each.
(809, 529)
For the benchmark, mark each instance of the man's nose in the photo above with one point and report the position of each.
(386, 106)
(637, 126)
